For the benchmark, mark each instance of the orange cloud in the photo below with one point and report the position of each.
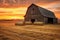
(20, 3)
(19, 7)
(12, 13)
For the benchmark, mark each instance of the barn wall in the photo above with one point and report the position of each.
(33, 13)
(55, 20)
(45, 19)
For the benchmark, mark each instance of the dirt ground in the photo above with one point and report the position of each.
(29, 32)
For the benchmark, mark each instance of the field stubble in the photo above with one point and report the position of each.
(29, 32)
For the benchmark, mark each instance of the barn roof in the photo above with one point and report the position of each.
(45, 12)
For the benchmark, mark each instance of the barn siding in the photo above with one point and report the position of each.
(54, 20)
(30, 14)
(45, 19)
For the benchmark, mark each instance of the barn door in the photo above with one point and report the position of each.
(32, 20)
(50, 20)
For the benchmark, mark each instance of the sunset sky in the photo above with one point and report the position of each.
(16, 9)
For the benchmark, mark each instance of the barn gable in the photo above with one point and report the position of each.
(32, 7)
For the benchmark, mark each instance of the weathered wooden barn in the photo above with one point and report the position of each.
(39, 14)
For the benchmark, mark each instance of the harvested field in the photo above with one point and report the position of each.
(29, 32)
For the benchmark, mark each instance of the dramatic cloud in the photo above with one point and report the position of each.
(4, 12)
(57, 7)
(22, 5)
